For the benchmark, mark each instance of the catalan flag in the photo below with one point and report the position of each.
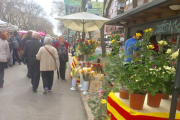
(120, 110)
(73, 66)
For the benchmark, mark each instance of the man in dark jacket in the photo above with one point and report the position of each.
(31, 49)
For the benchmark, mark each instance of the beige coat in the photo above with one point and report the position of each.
(47, 62)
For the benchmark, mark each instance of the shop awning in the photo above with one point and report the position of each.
(151, 11)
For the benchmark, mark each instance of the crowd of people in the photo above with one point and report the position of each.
(41, 55)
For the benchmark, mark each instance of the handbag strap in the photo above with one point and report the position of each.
(50, 53)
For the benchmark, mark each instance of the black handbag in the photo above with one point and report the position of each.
(63, 58)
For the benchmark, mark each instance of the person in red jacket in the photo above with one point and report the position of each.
(62, 48)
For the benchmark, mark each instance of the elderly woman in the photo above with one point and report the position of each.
(4, 56)
(63, 56)
(49, 62)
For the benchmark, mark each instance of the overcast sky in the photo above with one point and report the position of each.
(47, 4)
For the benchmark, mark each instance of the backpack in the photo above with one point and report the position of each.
(15, 43)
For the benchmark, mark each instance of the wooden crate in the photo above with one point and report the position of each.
(94, 85)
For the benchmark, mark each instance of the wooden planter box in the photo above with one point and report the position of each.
(94, 85)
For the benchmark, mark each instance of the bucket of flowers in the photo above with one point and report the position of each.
(75, 74)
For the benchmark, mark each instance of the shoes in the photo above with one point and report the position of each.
(45, 90)
(19, 63)
(64, 80)
(49, 90)
(28, 75)
(34, 90)
(1, 86)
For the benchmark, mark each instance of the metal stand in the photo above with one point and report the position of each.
(175, 92)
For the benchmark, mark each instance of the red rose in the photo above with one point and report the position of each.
(174, 40)
(80, 64)
(91, 43)
(100, 66)
(77, 40)
(121, 35)
(112, 36)
(75, 43)
(111, 85)
(83, 40)
(81, 44)
(86, 43)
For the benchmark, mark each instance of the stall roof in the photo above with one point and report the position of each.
(156, 9)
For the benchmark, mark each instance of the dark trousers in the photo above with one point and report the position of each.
(47, 77)
(15, 51)
(34, 70)
(2, 66)
(62, 69)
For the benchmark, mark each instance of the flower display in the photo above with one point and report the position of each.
(75, 72)
(86, 47)
(87, 74)
(168, 51)
(103, 101)
(150, 47)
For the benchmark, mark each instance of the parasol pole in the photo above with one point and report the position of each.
(83, 33)
(175, 92)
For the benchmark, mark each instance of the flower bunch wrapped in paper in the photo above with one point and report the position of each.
(75, 72)
(87, 74)
(86, 47)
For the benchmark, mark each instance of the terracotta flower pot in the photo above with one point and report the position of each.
(137, 101)
(154, 101)
(178, 105)
(164, 96)
(124, 94)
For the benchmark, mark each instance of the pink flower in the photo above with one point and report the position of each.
(101, 91)
(88, 98)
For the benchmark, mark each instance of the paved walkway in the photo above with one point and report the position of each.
(18, 102)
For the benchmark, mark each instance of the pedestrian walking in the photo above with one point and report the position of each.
(16, 42)
(30, 51)
(49, 62)
(4, 56)
(22, 46)
(16, 35)
(63, 56)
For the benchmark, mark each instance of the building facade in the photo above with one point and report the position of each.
(116, 8)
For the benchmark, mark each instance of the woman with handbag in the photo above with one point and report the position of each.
(49, 62)
(4, 56)
(63, 56)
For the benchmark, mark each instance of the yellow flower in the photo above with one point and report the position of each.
(89, 69)
(150, 29)
(146, 30)
(169, 51)
(138, 35)
(82, 71)
(165, 43)
(109, 54)
(92, 73)
(112, 41)
(150, 47)
(92, 41)
(175, 54)
(162, 42)
(89, 41)
(117, 41)
(103, 101)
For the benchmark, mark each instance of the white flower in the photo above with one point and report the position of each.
(175, 54)
(137, 80)
(169, 51)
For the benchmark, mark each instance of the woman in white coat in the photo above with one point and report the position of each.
(4, 56)
(49, 62)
